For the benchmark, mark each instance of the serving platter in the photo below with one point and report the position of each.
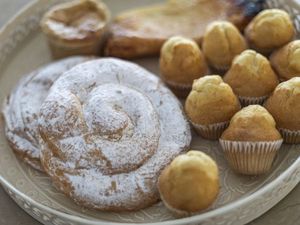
(242, 198)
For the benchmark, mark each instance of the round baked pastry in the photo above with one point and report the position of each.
(222, 41)
(251, 77)
(284, 105)
(76, 27)
(109, 128)
(270, 29)
(251, 141)
(285, 61)
(21, 109)
(190, 183)
(210, 106)
(181, 62)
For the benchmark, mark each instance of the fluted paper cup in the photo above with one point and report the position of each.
(245, 101)
(250, 158)
(290, 136)
(211, 131)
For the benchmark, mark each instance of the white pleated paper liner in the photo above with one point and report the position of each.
(250, 158)
(290, 136)
(180, 90)
(245, 101)
(211, 131)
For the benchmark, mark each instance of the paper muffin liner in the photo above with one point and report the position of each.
(250, 158)
(180, 90)
(245, 101)
(290, 136)
(211, 131)
(219, 69)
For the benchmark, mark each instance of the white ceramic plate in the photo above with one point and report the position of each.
(242, 199)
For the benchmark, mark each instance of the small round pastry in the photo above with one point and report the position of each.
(222, 41)
(190, 183)
(181, 62)
(109, 127)
(21, 109)
(251, 141)
(284, 105)
(285, 61)
(210, 106)
(251, 77)
(270, 29)
(76, 27)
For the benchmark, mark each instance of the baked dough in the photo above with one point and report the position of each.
(252, 123)
(21, 109)
(284, 104)
(190, 183)
(76, 27)
(181, 62)
(109, 128)
(251, 75)
(222, 41)
(270, 29)
(286, 60)
(211, 101)
(142, 32)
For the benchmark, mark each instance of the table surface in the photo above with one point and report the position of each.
(286, 212)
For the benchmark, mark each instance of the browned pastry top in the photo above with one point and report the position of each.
(284, 104)
(252, 123)
(75, 21)
(142, 31)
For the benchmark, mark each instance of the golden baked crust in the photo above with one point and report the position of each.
(142, 31)
(286, 60)
(109, 128)
(271, 28)
(252, 123)
(251, 75)
(181, 62)
(222, 41)
(211, 101)
(21, 109)
(284, 104)
(75, 27)
(190, 183)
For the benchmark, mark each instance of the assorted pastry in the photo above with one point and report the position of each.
(251, 78)
(76, 28)
(110, 134)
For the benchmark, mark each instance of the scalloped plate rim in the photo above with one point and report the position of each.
(194, 219)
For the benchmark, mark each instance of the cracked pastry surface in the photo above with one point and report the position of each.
(285, 60)
(109, 128)
(75, 27)
(270, 29)
(284, 104)
(211, 101)
(251, 75)
(252, 123)
(222, 41)
(21, 109)
(181, 62)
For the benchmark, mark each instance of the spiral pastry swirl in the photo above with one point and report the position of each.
(22, 106)
(109, 128)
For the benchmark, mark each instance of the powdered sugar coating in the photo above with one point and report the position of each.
(21, 108)
(109, 128)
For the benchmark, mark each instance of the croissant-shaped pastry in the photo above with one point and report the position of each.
(21, 109)
(109, 128)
